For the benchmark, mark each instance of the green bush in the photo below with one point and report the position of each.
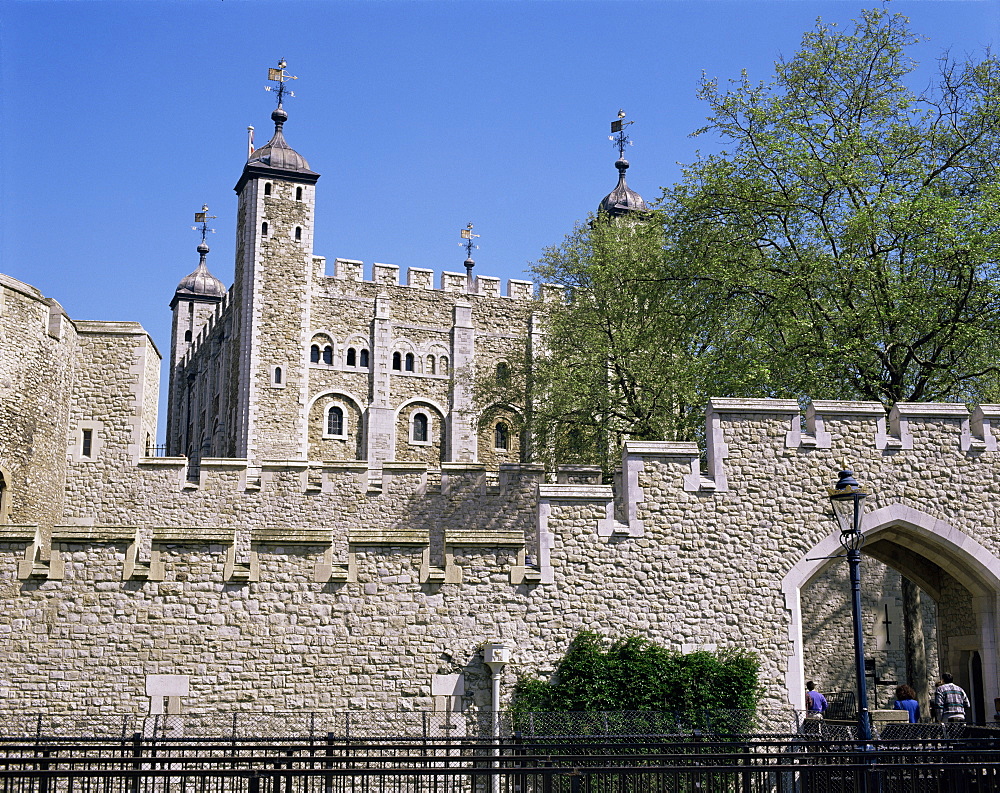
(634, 674)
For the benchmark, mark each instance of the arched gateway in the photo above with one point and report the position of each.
(947, 565)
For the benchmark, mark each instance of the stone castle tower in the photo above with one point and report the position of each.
(293, 363)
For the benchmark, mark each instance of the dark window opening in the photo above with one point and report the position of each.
(352, 357)
(263, 229)
(314, 354)
(335, 421)
(503, 373)
(298, 193)
(364, 358)
(419, 427)
(397, 361)
(267, 188)
(298, 234)
(88, 443)
(277, 375)
(328, 355)
(187, 335)
(409, 361)
(501, 436)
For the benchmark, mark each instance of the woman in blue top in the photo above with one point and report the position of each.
(906, 699)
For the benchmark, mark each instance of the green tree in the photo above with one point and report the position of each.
(855, 220)
(844, 244)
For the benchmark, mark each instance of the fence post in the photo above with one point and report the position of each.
(136, 765)
(328, 778)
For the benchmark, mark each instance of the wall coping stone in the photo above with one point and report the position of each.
(483, 537)
(190, 535)
(836, 407)
(728, 405)
(940, 409)
(392, 537)
(277, 535)
(18, 532)
(95, 533)
(576, 492)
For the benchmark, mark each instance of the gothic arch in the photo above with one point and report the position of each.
(923, 536)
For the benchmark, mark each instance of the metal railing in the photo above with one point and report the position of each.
(336, 765)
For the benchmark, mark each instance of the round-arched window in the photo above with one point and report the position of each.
(420, 428)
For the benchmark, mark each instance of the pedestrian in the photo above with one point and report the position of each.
(906, 699)
(951, 700)
(815, 702)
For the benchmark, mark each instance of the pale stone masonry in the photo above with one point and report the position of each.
(337, 525)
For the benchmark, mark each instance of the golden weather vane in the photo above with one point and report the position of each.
(203, 217)
(618, 136)
(278, 75)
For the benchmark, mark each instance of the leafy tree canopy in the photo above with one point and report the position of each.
(843, 245)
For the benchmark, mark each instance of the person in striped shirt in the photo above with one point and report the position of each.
(951, 700)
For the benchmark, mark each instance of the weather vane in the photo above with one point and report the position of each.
(469, 246)
(278, 76)
(203, 217)
(618, 136)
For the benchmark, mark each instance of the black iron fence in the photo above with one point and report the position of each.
(337, 765)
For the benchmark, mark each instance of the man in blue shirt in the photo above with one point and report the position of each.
(815, 702)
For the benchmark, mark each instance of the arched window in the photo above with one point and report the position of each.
(263, 229)
(314, 353)
(298, 193)
(409, 361)
(277, 375)
(503, 373)
(443, 364)
(298, 233)
(187, 335)
(430, 365)
(364, 359)
(267, 188)
(352, 357)
(501, 436)
(420, 427)
(397, 361)
(335, 421)
(328, 355)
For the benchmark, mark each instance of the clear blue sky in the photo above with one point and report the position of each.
(121, 118)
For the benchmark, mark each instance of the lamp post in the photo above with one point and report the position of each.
(847, 497)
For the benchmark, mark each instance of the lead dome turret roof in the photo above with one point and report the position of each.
(623, 199)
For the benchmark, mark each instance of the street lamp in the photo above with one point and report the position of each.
(847, 497)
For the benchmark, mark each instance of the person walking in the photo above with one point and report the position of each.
(951, 700)
(815, 702)
(906, 699)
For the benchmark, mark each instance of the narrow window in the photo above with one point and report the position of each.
(364, 359)
(263, 229)
(298, 233)
(335, 421)
(328, 355)
(187, 335)
(409, 361)
(397, 361)
(352, 357)
(267, 188)
(298, 193)
(314, 354)
(503, 373)
(88, 443)
(277, 375)
(419, 427)
(501, 436)
(430, 364)
(443, 361)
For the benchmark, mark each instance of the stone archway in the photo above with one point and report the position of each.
(926, 550)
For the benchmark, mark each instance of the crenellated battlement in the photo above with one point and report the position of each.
(421, 278)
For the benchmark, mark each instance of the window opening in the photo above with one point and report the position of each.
(364, 359)
(419, 427)
(263, 229)
(88, 443)
(409, 361)
(267, 188)
(501, 436)
(503, 373)
(314, 354)
(187, 335)
(335, 421)
(298, 193)
(328, 355)
(3, 498)
(298, 234)
(397, 361)
(277, 375)
(430, 364)
(352, 357)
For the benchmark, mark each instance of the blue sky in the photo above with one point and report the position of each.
(121, 118)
